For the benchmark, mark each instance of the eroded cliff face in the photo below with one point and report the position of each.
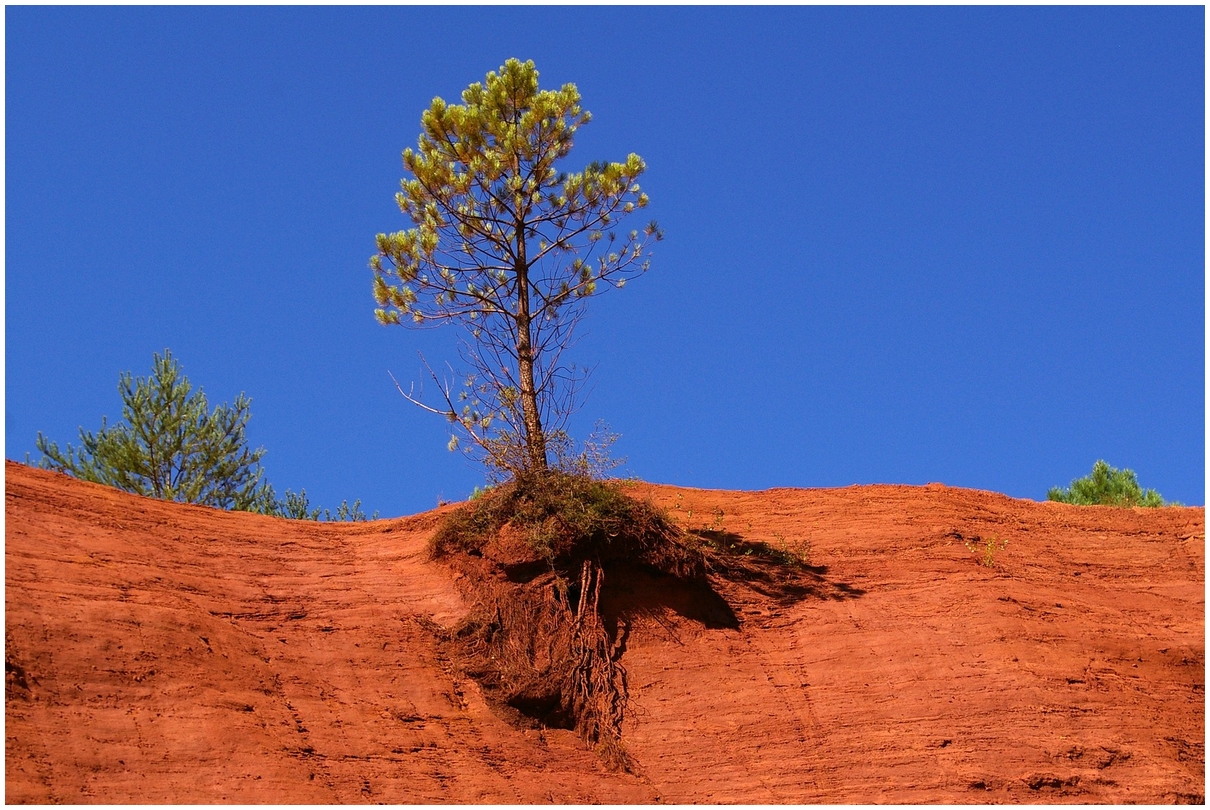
(164, 653)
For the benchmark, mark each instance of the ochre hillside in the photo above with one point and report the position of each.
(164, 653)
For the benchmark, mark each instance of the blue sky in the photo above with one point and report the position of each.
(903, 245)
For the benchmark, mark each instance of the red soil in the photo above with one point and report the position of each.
(164, 653)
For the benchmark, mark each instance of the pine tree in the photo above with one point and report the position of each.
(510, 247)
(171, 446)
(1107, 486)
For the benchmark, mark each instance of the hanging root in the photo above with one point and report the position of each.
(534, 556)
(545, 650)
(598, 680)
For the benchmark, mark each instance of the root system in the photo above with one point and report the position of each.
(535, 557)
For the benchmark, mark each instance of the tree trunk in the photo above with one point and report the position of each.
(535, 439)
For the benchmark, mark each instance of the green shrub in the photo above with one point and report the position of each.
(297, 506)
(172, 447)
(352, 513)
(1107, 486)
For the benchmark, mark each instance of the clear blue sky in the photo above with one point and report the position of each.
(903, 245)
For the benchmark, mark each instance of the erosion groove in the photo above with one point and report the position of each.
(839, 645)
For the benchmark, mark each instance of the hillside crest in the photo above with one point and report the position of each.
(157, 652)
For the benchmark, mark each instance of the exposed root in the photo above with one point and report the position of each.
(544, 650)
(534, 557)
(598, 693)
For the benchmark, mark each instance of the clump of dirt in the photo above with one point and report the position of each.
(535, 554)
(559, 520)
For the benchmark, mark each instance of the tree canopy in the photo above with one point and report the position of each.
(509, 246)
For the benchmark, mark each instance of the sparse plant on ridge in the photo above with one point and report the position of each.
(353, 514)
(986, 549)
(173, 447)
(594, 460)
(1108, 486)
(799, 555)
(297, 506)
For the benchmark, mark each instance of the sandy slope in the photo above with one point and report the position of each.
(165, 653)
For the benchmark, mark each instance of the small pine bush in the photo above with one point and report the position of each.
(1108, 486)
(297, 506)
(172, 447)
